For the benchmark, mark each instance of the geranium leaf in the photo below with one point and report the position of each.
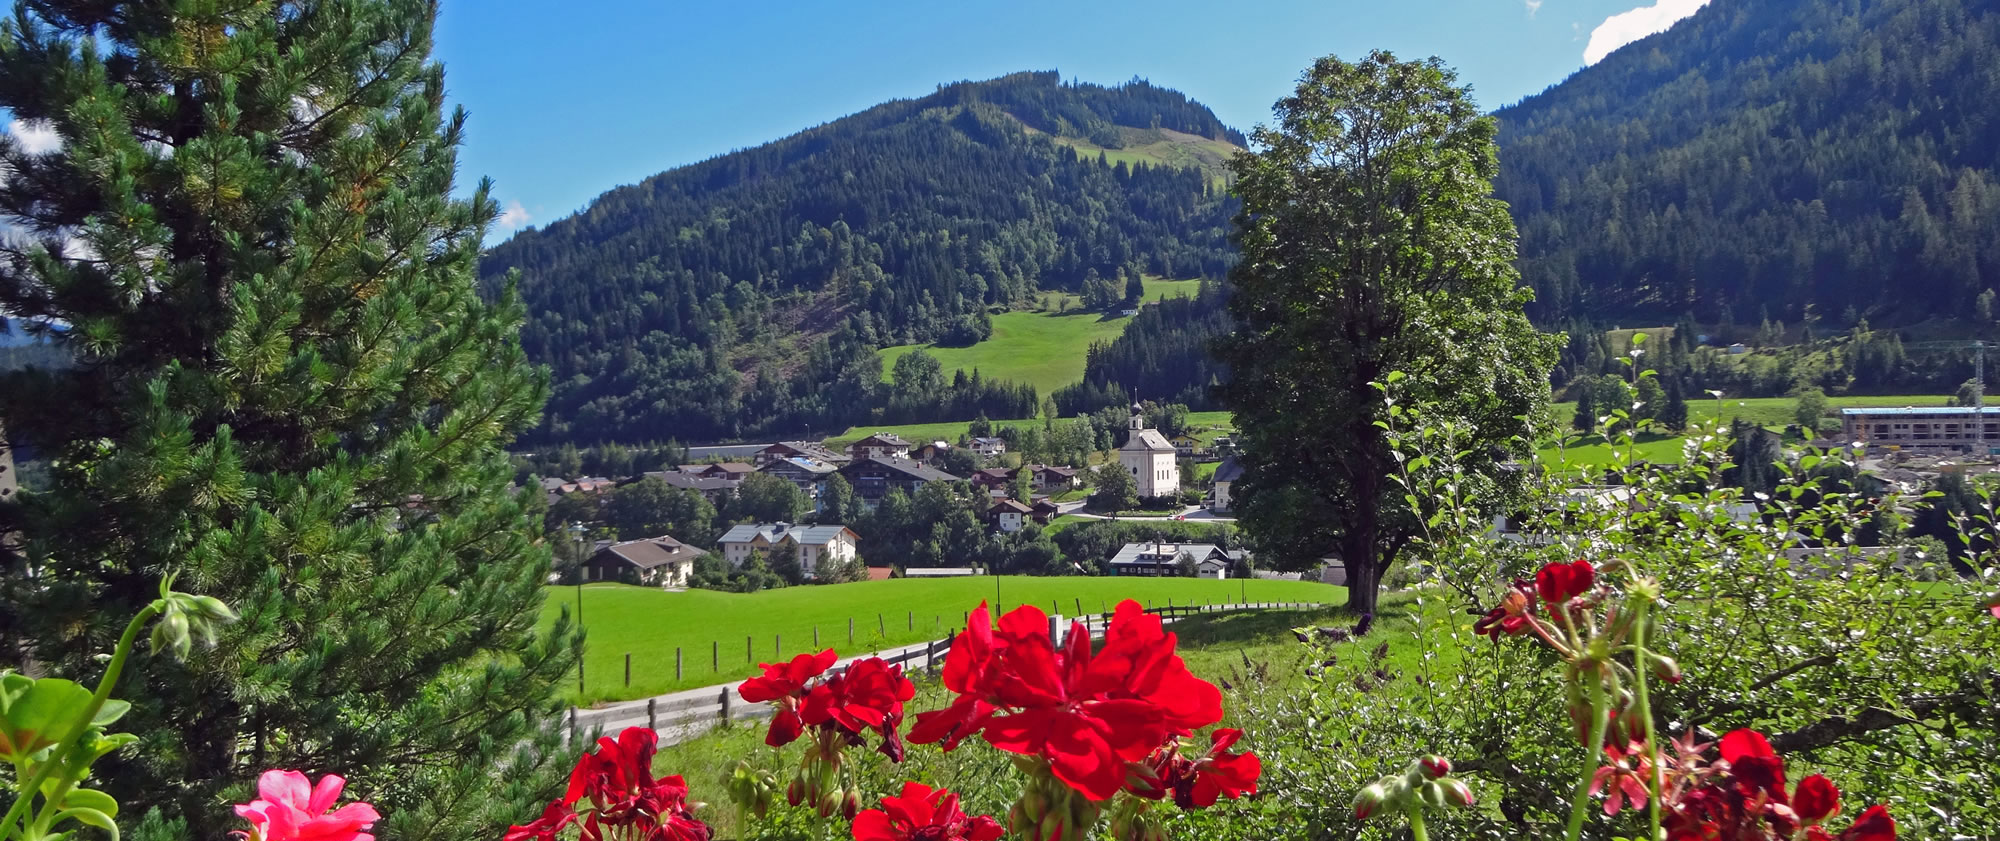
(91, 817)
(85, 798)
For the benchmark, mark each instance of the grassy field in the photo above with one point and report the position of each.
(1218, 423)
(711, 628)
(1043, 349)
(1164, 147)
(1773, 412)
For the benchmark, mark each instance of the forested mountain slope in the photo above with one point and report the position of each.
(1813, 159)
(745, 295)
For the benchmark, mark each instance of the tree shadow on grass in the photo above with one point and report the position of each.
(1267, 626)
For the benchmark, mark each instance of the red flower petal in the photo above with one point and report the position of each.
(1737, 744)
(1873, 825)
(1816, 799)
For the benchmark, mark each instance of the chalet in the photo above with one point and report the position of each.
(1045, 512)
(989, 447)
(809, 475)
(720, 470)
(654, 561)
(1009, 515)
(1044, 477)
(552, 488)
(873, 478)
(930, 451)
(798, 449)
(715, 489)
(880, 445)
(1226, 476)
(814, 546)
(992, 478)
(1184, 444)
(1158, 560)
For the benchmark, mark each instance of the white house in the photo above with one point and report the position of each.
(1162, 560)
(1149, 457)
(654, 561)
(880, 445)
(812, 545)
(1226, 475)
(1010, 515)
(989, 447)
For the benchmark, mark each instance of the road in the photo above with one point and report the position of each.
(1191, 514)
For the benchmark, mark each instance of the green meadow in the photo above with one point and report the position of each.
(1771, 412)
(712, 630)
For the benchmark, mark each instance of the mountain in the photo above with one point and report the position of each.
(1784, 159)
(747, 294)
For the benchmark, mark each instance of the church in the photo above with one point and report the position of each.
(1149, 457)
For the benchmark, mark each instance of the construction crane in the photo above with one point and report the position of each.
(1978, 349)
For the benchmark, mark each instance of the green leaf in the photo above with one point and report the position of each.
(92, 799)
(112, 710)
(91, 817)
(33, 720)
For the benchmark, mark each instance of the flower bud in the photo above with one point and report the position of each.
(1456, 792)
(1369, 801)
(1051, 828)
(850, 805)
(213, 609)
(1434, 766)
(1431, 794)
(1666, 669)
(796, 792)
(829, 803)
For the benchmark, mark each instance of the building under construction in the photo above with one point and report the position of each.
(1956, 428)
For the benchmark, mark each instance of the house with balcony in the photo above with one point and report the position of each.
(880, 445)
(814, 546)
(874, 477)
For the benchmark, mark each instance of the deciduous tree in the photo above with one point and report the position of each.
(1371, 247)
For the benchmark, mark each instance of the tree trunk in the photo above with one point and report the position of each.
(1357, 556)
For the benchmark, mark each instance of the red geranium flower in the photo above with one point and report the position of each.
(1197, 783)
(1753, 766)
(1511, 617)
(1624, 777)
(1087, 716)
(1816, 799)
(618, 782)
(923, 814)
(1873, 825)
(784, 685)
(1558, 583)
(290, 808)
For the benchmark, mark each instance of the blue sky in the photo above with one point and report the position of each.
(569, 99)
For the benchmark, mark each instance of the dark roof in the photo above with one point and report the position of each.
(1014, 505)
(1050, 468)
(912, 469)
(810, 449)
(883, 438)
(695, 483)
(648, 553)
(1229, 471)
(800, 463)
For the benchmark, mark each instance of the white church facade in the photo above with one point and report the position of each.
(1149, 457)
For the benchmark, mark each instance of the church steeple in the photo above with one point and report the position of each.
(1138, 421)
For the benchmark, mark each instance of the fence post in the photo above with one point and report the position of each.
(850, 630)
(652, 714)
(815, 636)
(677, 663)
(572, 724)
(930, 654)
(725, 705)
(881, 625)
(912, 620)
(715, 655)
(1055, 633)
(628, 668)
(777, 646)
(749, 656)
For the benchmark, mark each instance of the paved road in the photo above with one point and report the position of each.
(1192, 514)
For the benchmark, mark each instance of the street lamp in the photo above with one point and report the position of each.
(576, 536)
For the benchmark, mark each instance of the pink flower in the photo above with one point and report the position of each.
(288, 808)
(1623, 779)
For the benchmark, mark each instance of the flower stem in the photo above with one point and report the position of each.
(84, 717)
(1580, 801)
(1652, 744)
(1416, 813)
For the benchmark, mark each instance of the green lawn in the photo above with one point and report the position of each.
(918, 432)
(1043, 349)
(650, 623)
(1168, 147)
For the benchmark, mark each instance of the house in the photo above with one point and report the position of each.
(1226, 476)
(553, 488)
(808, 474)
(939, 572)
(1009, 515)
(798, 449)
(720, 470)
(1158, 560)
(880, 445)
(1043, 477)
(931, 451)
(814, 546)
(1150, 458)
(654, 561)
(992, 478)
(989, 447)
(1925, 427)
(1184, 444)
(715, 489)
(874, 477)
(1045, 511)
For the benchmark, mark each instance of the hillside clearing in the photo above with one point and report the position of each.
(712, 628)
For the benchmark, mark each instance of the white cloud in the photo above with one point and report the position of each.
(1628, 26)
(513, 217)
(1533, 6)
(35, 136)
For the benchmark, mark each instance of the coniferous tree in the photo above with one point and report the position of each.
(1585, 420)
(287, 393)
(1674, 415)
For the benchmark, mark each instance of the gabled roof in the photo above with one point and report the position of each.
(648, 553)
(1165, 553)
(803, 464)
(810, 449)
(777, 532)
(1065, 472)
(1147, 440)
(989, 441)
(1229, 471)
(888, 439)
(915, 470)
(692, 482)
(1006, 505)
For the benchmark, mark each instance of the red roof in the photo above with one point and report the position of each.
(880, 573)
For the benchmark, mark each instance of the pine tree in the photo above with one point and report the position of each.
(1585, 420)
(1674, 415)
(289, 394)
